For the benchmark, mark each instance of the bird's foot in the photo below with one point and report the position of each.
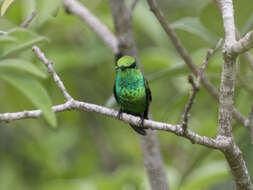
(141, 122)
(119, 114)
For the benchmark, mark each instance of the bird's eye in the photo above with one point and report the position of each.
(133, 65)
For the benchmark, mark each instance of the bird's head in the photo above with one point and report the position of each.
(126, 62)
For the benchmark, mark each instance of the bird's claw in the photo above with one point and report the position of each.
(119, 114)
(141, 122)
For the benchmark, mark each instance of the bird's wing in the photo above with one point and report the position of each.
(148, 91)
(148, 98)
(114, 93)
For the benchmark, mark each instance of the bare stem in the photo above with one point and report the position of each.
(3, 32)
(196, 85)
(51, 70)
(29, 19)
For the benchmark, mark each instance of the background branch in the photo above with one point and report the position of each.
(29, 19)
(3, 32)
(73, 6)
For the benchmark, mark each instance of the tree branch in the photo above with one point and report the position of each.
(50, 68)
(233, 154)
(127, 118)
(73, 6)
(195, 89)
(244, 44)
(3, 32)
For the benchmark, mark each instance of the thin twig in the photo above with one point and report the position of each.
(188, 106)
(51, 70)
(196, 85)
(3, 32)
(204, 65)
(28, 20)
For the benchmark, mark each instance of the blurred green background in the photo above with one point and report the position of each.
(94, 152)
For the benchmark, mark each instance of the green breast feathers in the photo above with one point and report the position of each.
(131, 91)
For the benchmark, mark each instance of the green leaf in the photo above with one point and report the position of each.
(21, 47)
(194, 26)
(22, 65)
(34, 91)
(5, 6)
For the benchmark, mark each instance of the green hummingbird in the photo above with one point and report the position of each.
(131, 91)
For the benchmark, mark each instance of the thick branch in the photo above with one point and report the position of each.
(73, 6)
(233, 153)
(229, 70)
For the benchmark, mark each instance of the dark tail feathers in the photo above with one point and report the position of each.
(139, 130)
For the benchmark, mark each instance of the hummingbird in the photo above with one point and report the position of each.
(131, 91)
